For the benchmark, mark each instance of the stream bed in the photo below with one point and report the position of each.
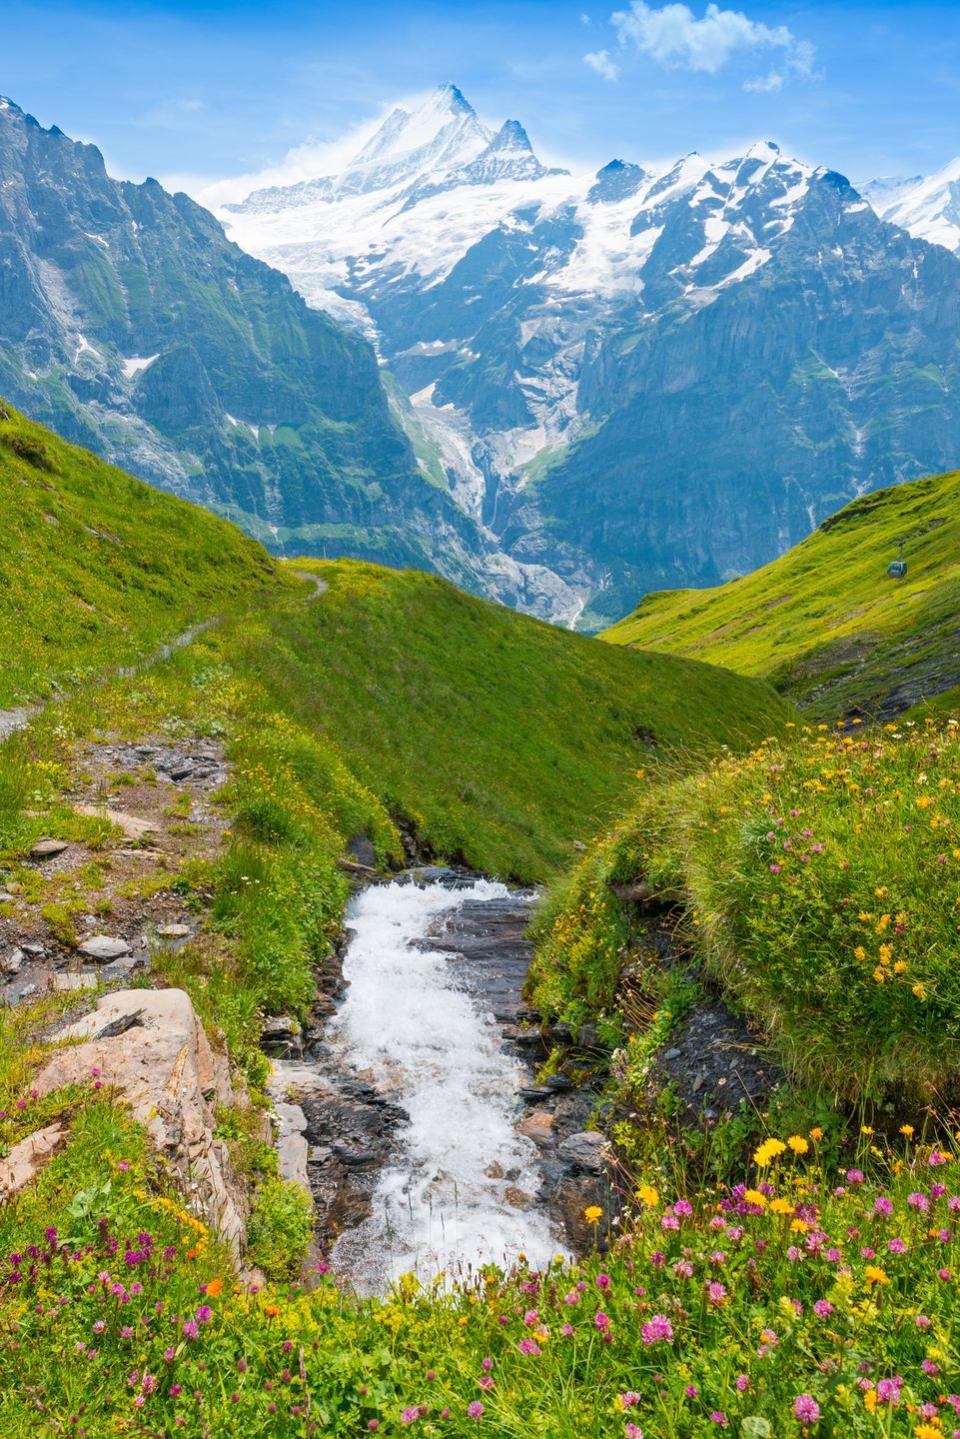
(460, 1188)
(416, 1088)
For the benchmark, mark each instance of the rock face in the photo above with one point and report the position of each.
(131, 325)
(25, 1160)
(151, 1046)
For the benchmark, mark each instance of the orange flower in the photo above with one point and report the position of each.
(271, 1311)
(214, 1288)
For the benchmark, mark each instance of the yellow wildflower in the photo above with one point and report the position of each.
(768, 1152)
(874, 1275)
(753, 1196)
(648, 1196)
(798, 1144)
(907, 1130)
(593, 1214)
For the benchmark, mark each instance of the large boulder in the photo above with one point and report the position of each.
(150, 1045)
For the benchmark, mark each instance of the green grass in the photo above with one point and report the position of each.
(824, 623)
(500, 738)
(97, 569)
(816, 881)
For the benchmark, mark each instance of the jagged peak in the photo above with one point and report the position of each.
(511, 136)
(453, 96)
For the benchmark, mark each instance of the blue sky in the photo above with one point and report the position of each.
(193, 93)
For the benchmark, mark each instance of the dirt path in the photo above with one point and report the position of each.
(320, 586)
(20, 716)
(158, 797)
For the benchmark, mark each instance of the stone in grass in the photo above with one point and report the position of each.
(103, 947)
(47, 848)
(65, 983)
(13, 961)
(174, 931)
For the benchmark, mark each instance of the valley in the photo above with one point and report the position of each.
(479, 725)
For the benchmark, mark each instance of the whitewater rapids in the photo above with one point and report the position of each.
(441, 1206)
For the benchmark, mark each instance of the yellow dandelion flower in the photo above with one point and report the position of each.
(768, 1152)
(875, 1275)
(798, 1144)
(648, 1195)
(907, 1131)
(593, 1214)
(753, 1196)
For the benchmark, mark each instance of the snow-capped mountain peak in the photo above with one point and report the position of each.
(440, 134)
(929, 207)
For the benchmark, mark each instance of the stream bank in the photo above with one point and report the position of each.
(408, 1105)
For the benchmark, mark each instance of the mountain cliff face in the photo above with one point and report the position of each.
(632, 378)
(130, 324)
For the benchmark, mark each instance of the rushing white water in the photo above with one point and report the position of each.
(408, 1020)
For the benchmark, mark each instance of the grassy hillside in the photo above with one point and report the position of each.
(814, 880)
(825, 624)
(97, 569)
(501, 738)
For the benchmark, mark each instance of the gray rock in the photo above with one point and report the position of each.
(6, 898)
(584, 1151)
(47, 848)
(37, 950)
(102, 947)
(13, 961)
(174, 931)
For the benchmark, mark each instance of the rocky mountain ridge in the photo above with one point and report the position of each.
(131, 325)
(635, 377)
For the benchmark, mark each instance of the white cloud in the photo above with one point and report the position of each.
(303, 162)
(600, 61)
(764, 84)
(673, 36)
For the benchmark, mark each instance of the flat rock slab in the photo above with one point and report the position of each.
(25, 1160)
(66, 983)
(102, 948)
(131, 826)
(47, 848)
(174, 931)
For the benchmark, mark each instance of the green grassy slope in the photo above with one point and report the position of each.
(824, 623)
(502, 738)
(97, 569)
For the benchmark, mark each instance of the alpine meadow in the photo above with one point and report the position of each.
(479, 721)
